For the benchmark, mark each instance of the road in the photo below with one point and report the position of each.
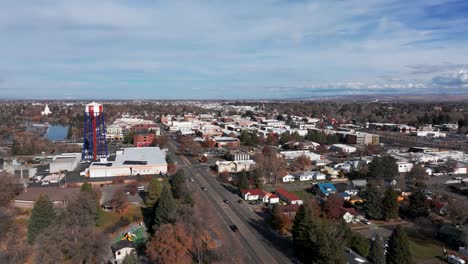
(256, 243)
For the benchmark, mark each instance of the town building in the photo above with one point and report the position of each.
(343, 148)
(288, 197)
(131, 161)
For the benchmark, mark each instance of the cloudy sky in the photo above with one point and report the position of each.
(231, 49)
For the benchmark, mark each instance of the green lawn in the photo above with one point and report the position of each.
(425, 250)
(304, 195)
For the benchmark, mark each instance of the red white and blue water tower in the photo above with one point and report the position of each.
(94, 133)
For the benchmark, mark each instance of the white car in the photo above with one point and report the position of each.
(365, 221)
(191, 179)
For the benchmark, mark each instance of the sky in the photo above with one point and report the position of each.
(269, 49)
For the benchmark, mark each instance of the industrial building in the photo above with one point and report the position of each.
(65, 162)
(131, 162)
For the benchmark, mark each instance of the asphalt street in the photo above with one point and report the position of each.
(260, 244)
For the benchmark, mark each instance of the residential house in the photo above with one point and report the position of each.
(268, 197)
(251, 194)
(404, 166)
(290, 210)
(305, 176)
(123, 248)
(350, 215)
(289, 178)
(288, 197)
(326, 188)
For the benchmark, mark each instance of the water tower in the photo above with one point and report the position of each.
(94, 133)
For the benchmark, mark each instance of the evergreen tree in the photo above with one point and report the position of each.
(42, 216)
(90, 200)
(417, 204)
(165, 209)
(376, 253)
(130, 259)
(154, 192)
(372, 205)
(360, 244)
(398, 251)
(243, 181)
(390, 205)
(178, 184)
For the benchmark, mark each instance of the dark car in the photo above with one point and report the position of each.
(234, 228)
(226, 200)
(203, 188)
(240, 201)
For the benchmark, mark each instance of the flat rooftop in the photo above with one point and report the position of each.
(148, 155)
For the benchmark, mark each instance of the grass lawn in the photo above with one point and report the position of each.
(304, 195)
(425, 250)
(108, 219)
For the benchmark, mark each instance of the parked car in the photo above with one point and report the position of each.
(234, 228)
(141, 188)
(365, 221)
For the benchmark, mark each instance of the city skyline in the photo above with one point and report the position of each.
(227, 50)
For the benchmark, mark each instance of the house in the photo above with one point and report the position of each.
(359, 183)
(326, 188)
(58, 196)
(289, 178)
(288, 197)
(122, 249)
(350, 215)
(346, 188)
(235, 166)
(305, 176)
(268, 197)
(251, 194)
(404, 166)
(343, 148)
(290, 210)
(451, 235)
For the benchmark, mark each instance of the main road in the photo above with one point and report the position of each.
(259, 244)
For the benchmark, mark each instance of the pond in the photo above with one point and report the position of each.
(56, 132)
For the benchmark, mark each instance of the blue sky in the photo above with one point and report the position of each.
(231, 49)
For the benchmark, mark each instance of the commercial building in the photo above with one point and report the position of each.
(290, 155)
(131, 161)
(143, 140)
(65, 162)
(343, 148)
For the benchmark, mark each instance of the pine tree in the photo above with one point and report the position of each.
(165, 209)
(376, 253)
(154, 192)
(417, 204)
(372, 206)
(42, 216)
(398, 251)
(130, 259)
(390, 205)
(178, 184)
(277, 219)
(360, 244)
(92, 199)
(243, 181)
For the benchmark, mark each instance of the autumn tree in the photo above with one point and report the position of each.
(119, 200)
(278, 220)
(170, 244)
(42, 216)
(9, 188)
(332, 206)
(457, 211)
(398, 251)
(302, 163)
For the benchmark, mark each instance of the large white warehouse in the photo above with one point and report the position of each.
(131, 161)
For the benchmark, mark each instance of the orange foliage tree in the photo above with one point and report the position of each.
(170, 244)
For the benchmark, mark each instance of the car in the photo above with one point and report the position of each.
(141, 188)
(101, 185)
(192, 179)
(365, 221)
(240, 201)
(226, 200)
(234, 228)
(203, 188)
